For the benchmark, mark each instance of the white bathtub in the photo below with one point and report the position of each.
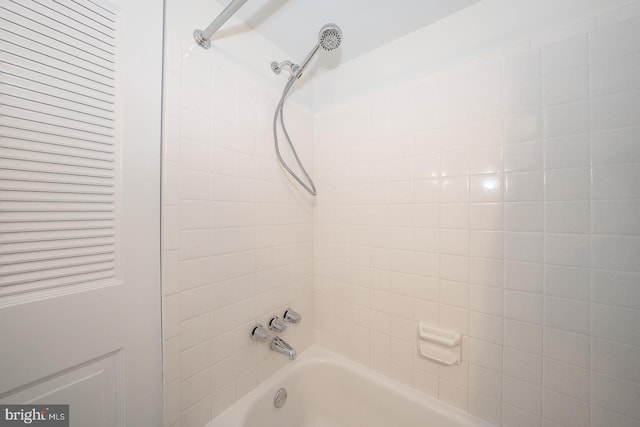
(327, 390)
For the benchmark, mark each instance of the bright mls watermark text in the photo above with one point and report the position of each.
(34, 415)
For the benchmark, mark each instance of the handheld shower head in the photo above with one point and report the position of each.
(330, 37)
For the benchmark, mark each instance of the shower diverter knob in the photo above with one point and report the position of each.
(277, 324)
(260, 333)
(291, 316)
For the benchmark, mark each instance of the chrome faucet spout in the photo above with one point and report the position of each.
(281, 346)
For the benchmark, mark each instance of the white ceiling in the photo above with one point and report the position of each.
(293, 25)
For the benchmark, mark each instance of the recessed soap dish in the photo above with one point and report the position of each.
(440, 345)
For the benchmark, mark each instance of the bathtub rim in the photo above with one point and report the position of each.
(233, 416)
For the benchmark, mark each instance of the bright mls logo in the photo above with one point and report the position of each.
(34, 415)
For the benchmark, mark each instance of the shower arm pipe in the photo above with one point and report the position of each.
(202, 37)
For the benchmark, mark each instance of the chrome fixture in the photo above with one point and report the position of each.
(280, 398)
(280, 346)
(202, 37)
(276, 67)
(291, 316)
(277, 324)
(329, 38)
(260, 333)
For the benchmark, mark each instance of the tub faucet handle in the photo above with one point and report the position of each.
(291, 316)
(260, 333)
(277, 324)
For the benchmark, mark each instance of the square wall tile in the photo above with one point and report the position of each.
(616, 182)
(486, 216)
(567, 249)
(570, 380)
(615, 252)
(524, 216)
(485, 381)
(486, 299)
(568, 217)
(528, 247)
(484, 407)
(486, 188)
(616, 359)
(567, 282)
(485, 354)
(615, 324)
(523, 336)
(523, 306)
(616, 75)
(565, 55)
(523, 67)
(565, 152)
(616, 146)
(616, 40)
(485, 160)
(485, 271)
(567, 184)
(522, 395)
(564, 410)
(522, 96)
(523, 156)
(567, 314)
(454, 189)
(524, 126)
(522, 365)
(566, 87)
(567, 119)
(616, 288)
(618, 395)
(515, 417)
(524, 276)
(525, 186)
(616, 217)
(566, 347)
(618, 110)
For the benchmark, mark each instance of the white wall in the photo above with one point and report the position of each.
(237, 234)
(498, 197)
(485, 26)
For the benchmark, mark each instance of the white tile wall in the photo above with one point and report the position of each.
(498, 198)
(237, 235)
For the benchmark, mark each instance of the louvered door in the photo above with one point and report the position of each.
(79, 207)
(58, 110)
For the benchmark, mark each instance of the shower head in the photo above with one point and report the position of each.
(330, 37)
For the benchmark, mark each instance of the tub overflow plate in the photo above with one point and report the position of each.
(280, 398)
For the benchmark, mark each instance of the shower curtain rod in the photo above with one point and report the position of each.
(202, 37)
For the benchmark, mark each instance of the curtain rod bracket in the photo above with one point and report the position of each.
(202, 37)
(204, 43)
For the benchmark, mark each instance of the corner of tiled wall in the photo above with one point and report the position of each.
(237, 235)
(498, 198)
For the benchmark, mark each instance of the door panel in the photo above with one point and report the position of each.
(80, 108)
(96, 387)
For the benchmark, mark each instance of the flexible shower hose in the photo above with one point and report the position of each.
(311, 188)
